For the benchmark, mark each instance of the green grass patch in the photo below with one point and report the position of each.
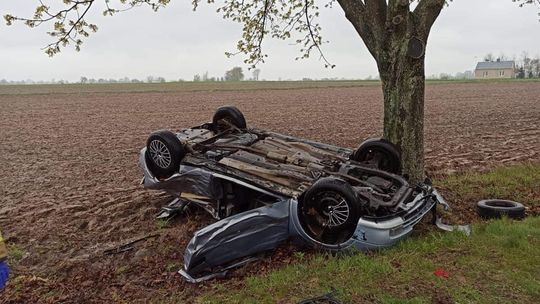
(519, 183)
(163, 223)
(497, 263)
(15, 253)
(172, 267)
(122, 269)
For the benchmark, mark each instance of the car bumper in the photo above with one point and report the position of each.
(262, 229)
(372, 234)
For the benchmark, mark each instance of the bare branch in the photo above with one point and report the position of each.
(315, 38)
(522, 3)
(369, 19)
(425, 13)
(525, 2)
(69, 23)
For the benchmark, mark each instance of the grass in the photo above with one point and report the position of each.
(172, 267)
(519, 183)
(122, 269)
(189, 86)
(15, 253)
(498, 263)
(162, 223)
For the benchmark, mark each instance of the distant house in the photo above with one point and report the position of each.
(495, 69)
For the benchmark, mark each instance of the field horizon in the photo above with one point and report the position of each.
(198, 86)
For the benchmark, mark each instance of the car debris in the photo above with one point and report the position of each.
(264, 188)
(441, 273)
(128, 245)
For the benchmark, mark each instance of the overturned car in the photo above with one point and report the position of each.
(264, 188)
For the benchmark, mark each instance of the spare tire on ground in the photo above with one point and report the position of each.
(228, 115)
(494, 208)
(164, 152)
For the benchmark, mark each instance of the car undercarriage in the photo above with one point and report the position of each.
(264, 188)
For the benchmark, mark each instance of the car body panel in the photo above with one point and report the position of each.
(245, 234)
(233, 237)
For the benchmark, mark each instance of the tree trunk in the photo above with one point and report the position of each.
(397, 37)
(403, 83)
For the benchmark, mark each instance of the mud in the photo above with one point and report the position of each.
(69, 180)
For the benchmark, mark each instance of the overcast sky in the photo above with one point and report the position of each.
(178, 43)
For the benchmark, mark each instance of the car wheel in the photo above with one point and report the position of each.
(228, 115)
(380, 154)
(330, 210)
(164, 152)
(493, 208)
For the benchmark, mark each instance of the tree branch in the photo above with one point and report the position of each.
(426, 12)
(355, 12)
(69, 23)
(376, 12)
(378, 22)
(54, 47)
(316, 41)
(375, 15)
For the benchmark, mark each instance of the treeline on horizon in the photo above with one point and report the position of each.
(526, 67)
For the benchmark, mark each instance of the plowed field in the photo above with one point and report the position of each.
(69, 176)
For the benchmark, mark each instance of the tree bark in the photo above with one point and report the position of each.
(397, 37)
(403, 84)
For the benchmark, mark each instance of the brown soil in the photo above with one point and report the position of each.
(69, 183)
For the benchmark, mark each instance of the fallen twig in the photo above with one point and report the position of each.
(128, 246)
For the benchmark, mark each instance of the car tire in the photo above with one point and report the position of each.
(332, 205)
(494, 208)
(232, 115)
(164, 152)
(380, 153)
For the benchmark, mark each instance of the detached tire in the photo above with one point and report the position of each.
(330, 210)
(231, 115)
(490, 209)
(379, 153)
(164, 152)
